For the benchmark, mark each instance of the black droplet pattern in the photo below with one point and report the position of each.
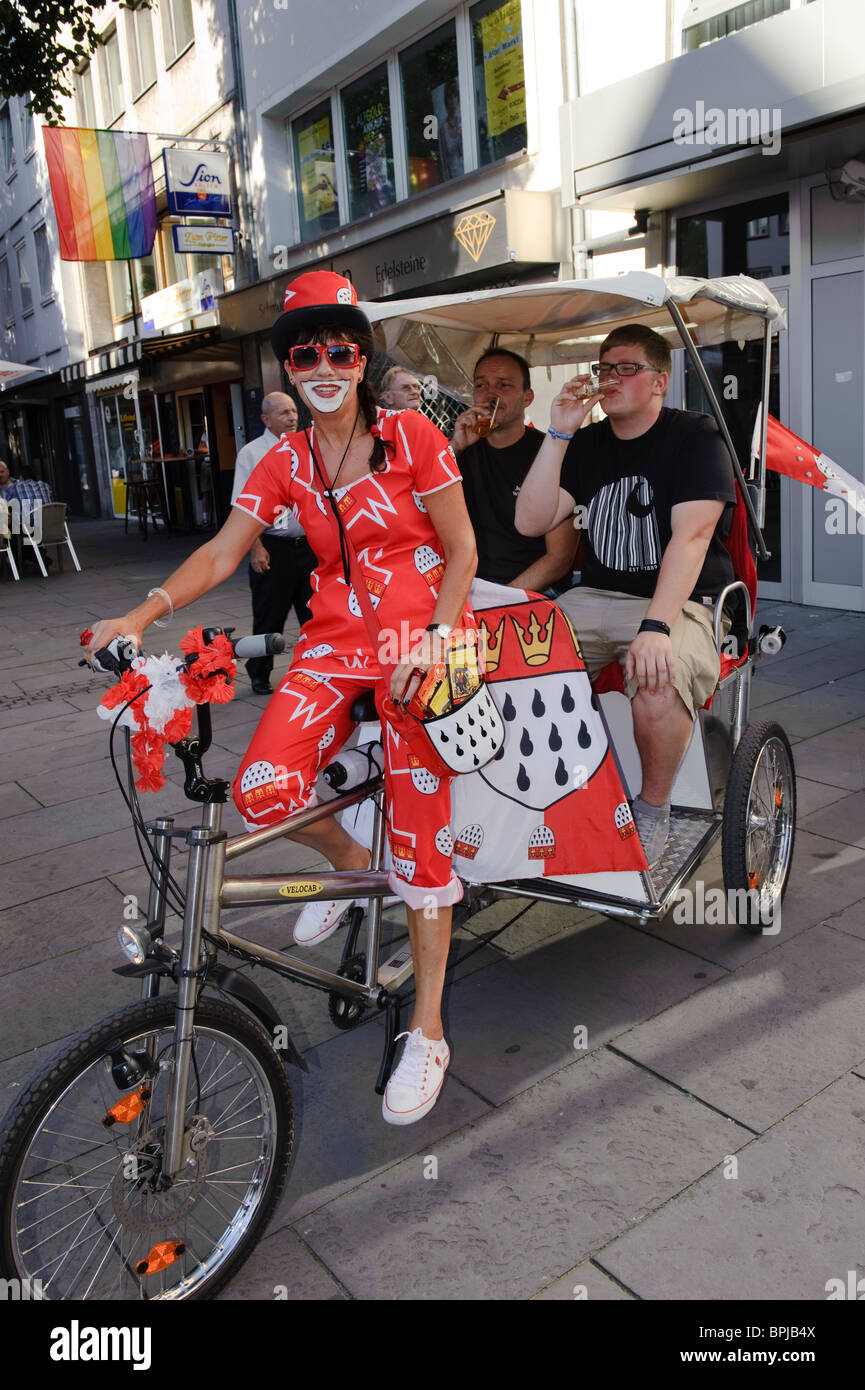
(584, 738)
(460, 752)
(561, 774)
(509, 708)
(569, 704)
(527, 748)
(538, 706)
(523, 779)
(555, 739)
(595, 704)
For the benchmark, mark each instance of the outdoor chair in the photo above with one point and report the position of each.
(48, 524)
(6, 539)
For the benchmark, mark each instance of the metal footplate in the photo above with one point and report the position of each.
(396, 970)
(691, 835)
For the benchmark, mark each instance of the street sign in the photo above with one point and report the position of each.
(185, 300)
(197, 183)
(217, 241)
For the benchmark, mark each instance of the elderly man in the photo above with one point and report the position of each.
(281, 560)
(400, 390)
(657, 489)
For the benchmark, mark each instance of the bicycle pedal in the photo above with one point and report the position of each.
(396, 970)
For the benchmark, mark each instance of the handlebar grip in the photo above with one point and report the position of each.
(116, 657)
(262, 644)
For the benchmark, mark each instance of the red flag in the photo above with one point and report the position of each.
(787, 453)
(552, 803)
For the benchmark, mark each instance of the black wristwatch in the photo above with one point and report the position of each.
(653, 625)
(443, 629)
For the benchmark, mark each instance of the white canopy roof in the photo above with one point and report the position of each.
(564, 321)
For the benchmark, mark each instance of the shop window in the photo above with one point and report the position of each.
(499, 78)
(177, 28)
(142, 58)
(86, 103)
(112, 78)
(708, 20)
(6, 143)
(430, 88)
(7, 308)
(318, 201)
(24, 283)
(366, 117)
(43, 263)
(748, 239)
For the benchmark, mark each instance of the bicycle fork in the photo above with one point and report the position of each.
(203, 878)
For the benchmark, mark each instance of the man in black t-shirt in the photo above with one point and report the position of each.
(493, 469)
(654, 490)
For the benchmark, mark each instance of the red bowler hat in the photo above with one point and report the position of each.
(318, 299)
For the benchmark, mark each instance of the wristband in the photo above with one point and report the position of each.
(653, 625)
(443, 630)
(163, 622)
(557, 434)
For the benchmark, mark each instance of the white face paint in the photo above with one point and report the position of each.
(325, 394)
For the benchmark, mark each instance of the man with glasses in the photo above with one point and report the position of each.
(400, 390)
(281, 560)
(493, 466)
(656, 489)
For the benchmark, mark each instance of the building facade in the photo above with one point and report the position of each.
(731, 142)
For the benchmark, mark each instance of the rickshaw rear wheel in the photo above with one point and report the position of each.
(759, 827)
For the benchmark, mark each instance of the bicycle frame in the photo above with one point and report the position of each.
(209, 890)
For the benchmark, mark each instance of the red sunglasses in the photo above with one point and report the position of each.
(306, 356)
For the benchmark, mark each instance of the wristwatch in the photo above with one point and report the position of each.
(442, 629)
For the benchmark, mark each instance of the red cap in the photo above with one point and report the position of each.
(317, 288)
(318, 298)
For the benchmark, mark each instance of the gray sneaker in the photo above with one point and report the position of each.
(652, 828)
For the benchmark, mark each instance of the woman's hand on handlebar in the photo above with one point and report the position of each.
(107, 629)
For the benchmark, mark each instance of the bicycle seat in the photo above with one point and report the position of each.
(363, 710)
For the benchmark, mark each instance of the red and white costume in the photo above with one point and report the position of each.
(307, 718)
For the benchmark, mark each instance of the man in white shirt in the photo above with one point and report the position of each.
(281, 560)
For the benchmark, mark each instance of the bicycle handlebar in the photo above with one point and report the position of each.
(117, 656)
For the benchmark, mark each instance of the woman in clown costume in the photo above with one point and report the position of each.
(398, 492)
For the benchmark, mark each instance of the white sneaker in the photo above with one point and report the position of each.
(414, 1085)
(320, 920)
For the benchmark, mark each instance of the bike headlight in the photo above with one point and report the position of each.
(133, 942)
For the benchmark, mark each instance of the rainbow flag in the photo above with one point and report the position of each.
(104, 199)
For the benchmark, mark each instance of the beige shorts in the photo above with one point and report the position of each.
(606, 624)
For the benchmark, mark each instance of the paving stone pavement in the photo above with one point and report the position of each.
(706, 1141)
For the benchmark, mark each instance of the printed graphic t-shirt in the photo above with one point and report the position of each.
(492, 479)
(384, 515)
(630, 486)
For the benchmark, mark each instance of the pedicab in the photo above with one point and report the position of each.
(145, 1158)
(737, 779)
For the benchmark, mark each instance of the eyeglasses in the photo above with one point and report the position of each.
(306, 356)
(604, 370)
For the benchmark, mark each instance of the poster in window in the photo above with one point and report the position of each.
(315, 147)
(446, 106)
(504, 78)
(373, 156)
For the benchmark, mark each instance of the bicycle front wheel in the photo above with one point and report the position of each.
(86, 1210)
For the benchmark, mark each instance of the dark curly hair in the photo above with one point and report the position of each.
(306, 332)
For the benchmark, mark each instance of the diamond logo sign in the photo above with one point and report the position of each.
(473, 232)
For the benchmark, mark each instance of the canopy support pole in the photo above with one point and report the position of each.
(691, 349)
(764, 418)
